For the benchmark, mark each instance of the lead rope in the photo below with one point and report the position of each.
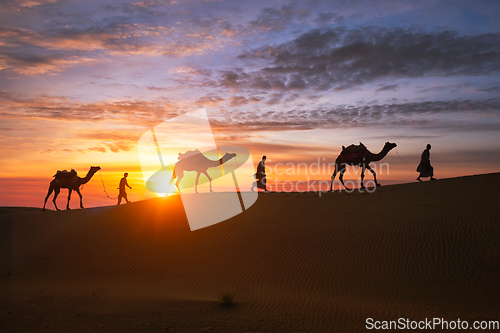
(237, 167)
(104, 187)
(405, 165)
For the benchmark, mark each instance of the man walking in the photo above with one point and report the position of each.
(425, 168)
(261, 175)
(123, 194)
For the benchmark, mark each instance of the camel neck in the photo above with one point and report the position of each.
(214, 163)
(87, 177)
(224, 159)
(380, 155)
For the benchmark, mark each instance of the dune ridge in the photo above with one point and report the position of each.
(296, 261)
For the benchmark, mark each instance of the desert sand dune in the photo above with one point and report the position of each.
(295, 261)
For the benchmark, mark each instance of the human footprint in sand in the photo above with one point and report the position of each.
(425, 168)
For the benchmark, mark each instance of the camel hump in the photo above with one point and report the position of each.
(65, 174)
(353, 148)
(189, 153)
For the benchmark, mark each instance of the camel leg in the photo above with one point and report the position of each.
(333, 177)
(51, 189)
(81, 197)
(196, 183)
(209, 179)
(69, 198)
(341, 177)
(171, 180)
(363, 175)
(374, 175)
(56, 193)
(178, 183)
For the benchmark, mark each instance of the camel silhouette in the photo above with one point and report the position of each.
(72, 182)
(194, 160)
(359, 156)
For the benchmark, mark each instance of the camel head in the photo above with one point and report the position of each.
(94, 169)
(389, 146)
(227, 157)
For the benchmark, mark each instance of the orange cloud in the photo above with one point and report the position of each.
(43, 65)
(136, 112)
(33, 3)
(119, 38)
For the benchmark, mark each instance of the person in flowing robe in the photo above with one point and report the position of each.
(261, 174)
(425, 168)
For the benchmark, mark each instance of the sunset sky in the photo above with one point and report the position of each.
(82, 81)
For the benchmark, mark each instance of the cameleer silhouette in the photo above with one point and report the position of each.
(123, 193)
(194, 160)
(261, 174)
(71, 181)
(425, 168)
(359, 155)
